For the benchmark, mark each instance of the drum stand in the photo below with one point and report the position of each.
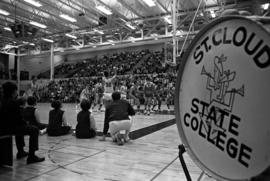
(182, 150)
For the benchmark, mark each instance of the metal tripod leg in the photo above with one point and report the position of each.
(182, 150)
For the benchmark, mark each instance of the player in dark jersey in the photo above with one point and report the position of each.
(169, 95)
(149, 91)
(134, 95)
(157, 100)
(98, 95)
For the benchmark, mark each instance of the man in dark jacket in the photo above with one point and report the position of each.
(13, 123)
(117, 118)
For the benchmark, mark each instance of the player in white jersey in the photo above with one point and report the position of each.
(34, 88)
(108, 87)
(85, 94)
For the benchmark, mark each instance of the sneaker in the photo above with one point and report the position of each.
(119, 140)
(127, 139)
(43, 131)
(21, 154)
(34, 159)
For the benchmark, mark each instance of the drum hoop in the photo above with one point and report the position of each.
(178, 86)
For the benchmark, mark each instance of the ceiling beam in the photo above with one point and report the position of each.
(114, 12)
(30, 13)
(94, 17)
(129, 8)
(153, 28)
(162, 6)
(185, 12)
(89, 11)
(49, 12)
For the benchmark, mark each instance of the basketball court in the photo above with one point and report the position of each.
(211, 58)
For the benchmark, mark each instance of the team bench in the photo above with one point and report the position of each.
(6, 150)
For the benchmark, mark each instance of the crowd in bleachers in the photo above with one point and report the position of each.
(153, 64)
(118, 62)
(64, 69)
(123, 63)
(4, 74)
(150, 65)
(68, 90)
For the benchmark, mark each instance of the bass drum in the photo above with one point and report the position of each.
(222, 98)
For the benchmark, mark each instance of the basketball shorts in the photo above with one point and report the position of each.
(107, 96)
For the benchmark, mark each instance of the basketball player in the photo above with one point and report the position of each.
(108, 87)
(29, 92)
(133, 94)
(169, 95)
(149, 91)
(123, 90)
(85, 94)
(157, 99)
(34, 87)
(99, 90)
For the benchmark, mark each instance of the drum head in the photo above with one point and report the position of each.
(222, 99)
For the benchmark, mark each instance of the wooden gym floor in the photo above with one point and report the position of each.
(151, 155)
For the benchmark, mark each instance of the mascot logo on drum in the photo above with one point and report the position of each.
(214, 119)
(221, 95)
(219, 82)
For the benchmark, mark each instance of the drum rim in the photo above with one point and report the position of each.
(182, 65)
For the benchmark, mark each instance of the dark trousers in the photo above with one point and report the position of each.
(59, 131)
(42, 126)
(20, 132)
(91, 133)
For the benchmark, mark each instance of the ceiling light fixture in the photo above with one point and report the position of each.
(98, 31)
(104, 10)
(123, 20)
(150, 3)
(37, 24)
(265, 6)
(7, 28)
(67, 17)
(4, 12)
(130, 26)
(35, 3)
(70, 36)
(48, 40)
(167, 19)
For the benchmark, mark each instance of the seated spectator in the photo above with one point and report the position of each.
(117, 118)
(31, 115)
(86, 126)
(13, 123)
(57, 121)
(22, 103)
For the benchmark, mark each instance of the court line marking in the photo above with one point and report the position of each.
(162, 170)
(62, 166)
(140, 133)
